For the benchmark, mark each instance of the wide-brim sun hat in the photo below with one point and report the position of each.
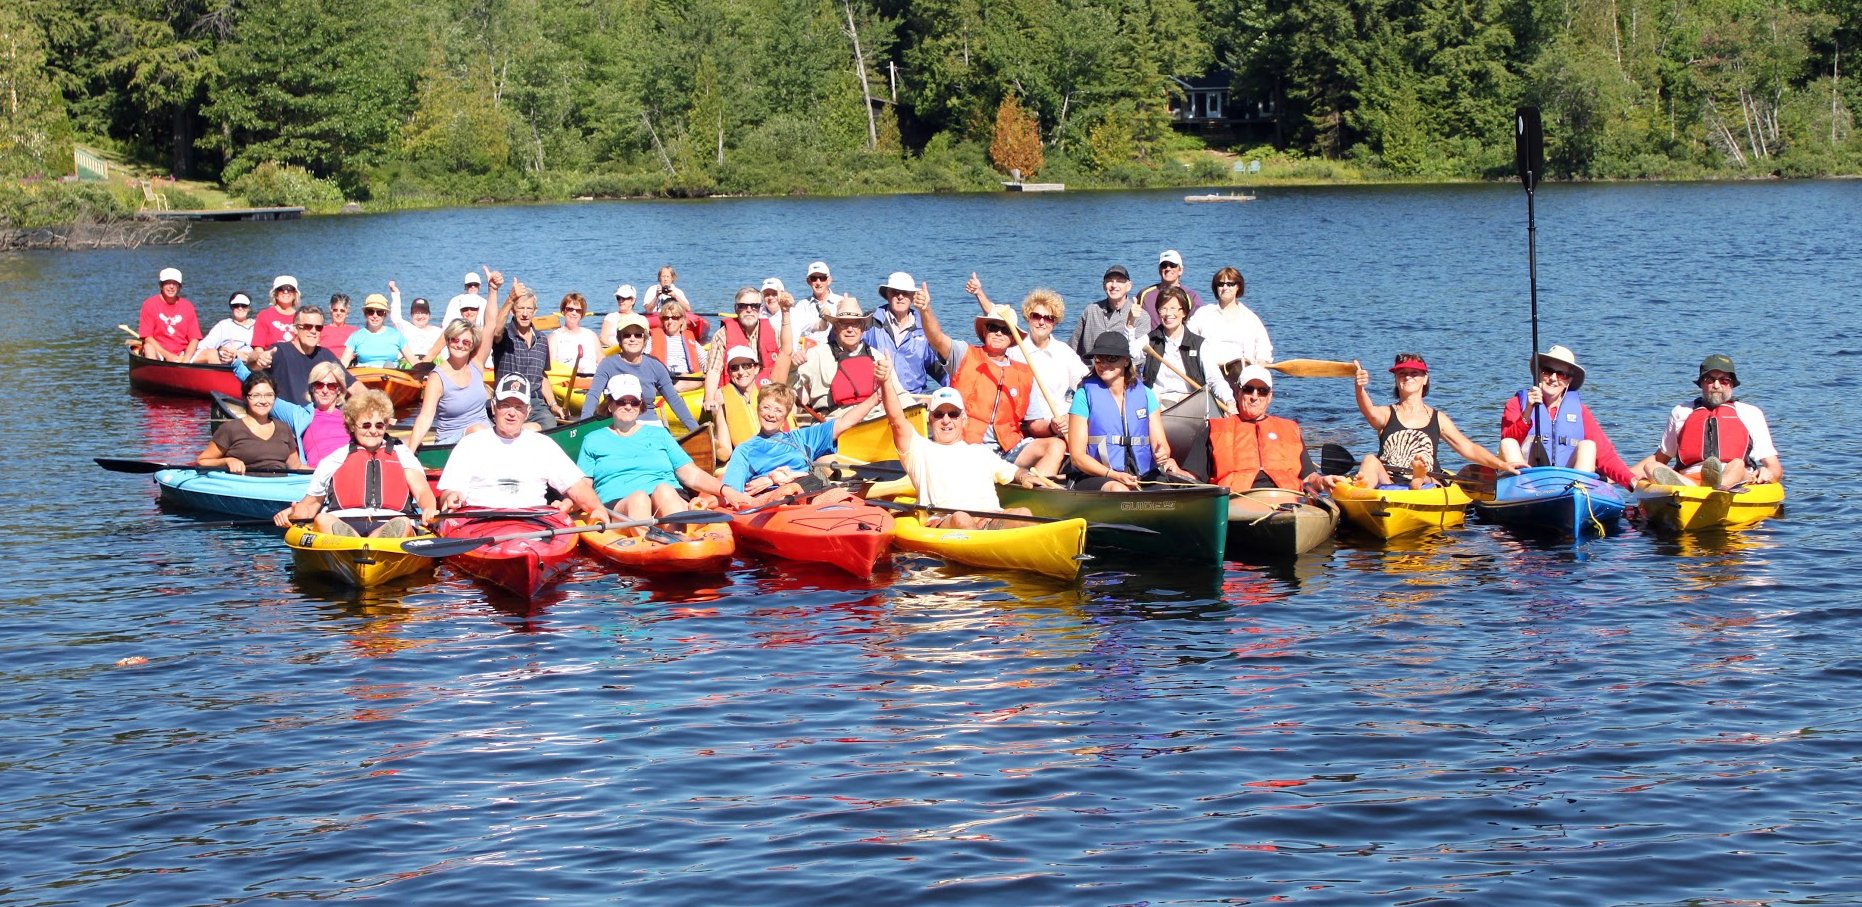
(848, 309)
(898, 282)
(1718, 362)
(1000, 313)
(1563, 356)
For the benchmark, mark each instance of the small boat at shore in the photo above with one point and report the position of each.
(356, 561)
(181, 379)
(1691, 508)
(1554, 499)
(1276, 522)
(1216, 198)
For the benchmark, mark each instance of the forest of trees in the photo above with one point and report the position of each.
(403, 102)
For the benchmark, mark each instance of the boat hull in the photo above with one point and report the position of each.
(851, 535)
(181, 379)
(1554, 499)
(1050, 549)
(706, 548)
(1688, 508)
(523, 567)
(1275, 522)
(403, 389)
(1390, 513)
(1191, 521)
(247, 497)
(360, 562)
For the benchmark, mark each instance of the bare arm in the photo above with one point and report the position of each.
(429, 405)
(1465, 446)
(852, 415)
(582, 495)
(785, 342)
(902, 430)
(934, 332)
(1375, 416)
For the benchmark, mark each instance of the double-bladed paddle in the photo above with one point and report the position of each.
(145, 467)
(903, 507)
(440, 546)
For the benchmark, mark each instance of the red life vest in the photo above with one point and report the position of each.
(656, 346)
(1712, 431)
(765, 344)
(853, 377)
(374, 479)
(1244, 450)
(990, 391)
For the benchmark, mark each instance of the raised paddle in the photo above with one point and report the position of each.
(1313, 368)
(1529, 157)
(447, 547)
(1000, 515)
(145, 467)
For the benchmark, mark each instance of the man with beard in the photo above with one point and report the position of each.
(1714, 440)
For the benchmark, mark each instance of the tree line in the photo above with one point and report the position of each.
(397, 101)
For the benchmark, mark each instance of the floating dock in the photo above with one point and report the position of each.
(1034, 187)
(290, 213)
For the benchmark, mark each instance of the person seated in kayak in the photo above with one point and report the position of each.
(256, 441)
(290, 361)
(168, 325)
(777, 454)
(637, 466)
(771, 340)
(1714, 440)
(1410, 432)
(273, 324)
(453, 404)
(1251, 449)
(670, 343)
(1113, 434)
(733, 406)
(518, 348)
(418, 327)
(1003, 408)
(946, 470)
(1548, 424)
(574, 349)
(901, 333)
(231, 337)
(839, 372)
(337, 330)
(1185, 360)
(324, 429)
(1056, 367)
(376, 344)
(655, 380)
(370, 484)
(508, 467)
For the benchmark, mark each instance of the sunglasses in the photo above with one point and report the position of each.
(1255, 390)
(633, 335)
(947, 414)
(1041, 317)
(572, 310)
(1109, 360)
(461, 340)
(308, 327)
(633, 402)
(1721, 379)
(676, 319)
(994, 328)
(242, 305)
(1561, 373)
(284, 290)
(814, 277)
(371, 426)
(743, 366)
(325, 386)
(368, 312)
(1168, 266)
(1228, 283)
(747, 306)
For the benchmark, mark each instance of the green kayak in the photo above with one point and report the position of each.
(1191, 520)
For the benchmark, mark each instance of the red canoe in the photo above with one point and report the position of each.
(851, 535)
(523, 566)
(181, 379)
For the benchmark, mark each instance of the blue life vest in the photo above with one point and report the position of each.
(1557, 439)
(1108, 440)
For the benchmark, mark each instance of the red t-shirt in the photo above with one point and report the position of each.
(173, 325)
(271, 325)
(336, 336)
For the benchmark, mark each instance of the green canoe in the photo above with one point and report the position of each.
(1191, 520)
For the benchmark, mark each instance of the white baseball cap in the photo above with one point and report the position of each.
(773, 284)
(944, 396)
(739, 352)
(898, 281)
(239, 299)
(169, 274)
(1254, 373)
(284, 280)
(513, 387)
(624, 386)
(472, 278)
(1170, 256)
(818, 267)
(624, 291)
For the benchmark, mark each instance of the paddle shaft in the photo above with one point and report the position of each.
(1529, 153)
(145, 467)
(1186, 378)
(1054, 413)
(448, 546)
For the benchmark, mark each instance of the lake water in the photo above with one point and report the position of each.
(1471, 718)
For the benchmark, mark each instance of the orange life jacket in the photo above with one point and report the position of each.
(1243, 450)
(993, 393)
(1715, 431)
(656, 346)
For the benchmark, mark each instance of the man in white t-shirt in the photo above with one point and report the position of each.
(809, 311)
(470, 299)
(1714, 440)
(949, 472)
(509, 467)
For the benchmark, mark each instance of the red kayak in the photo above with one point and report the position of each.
(523, 566)
(851, 534)
(181, 379)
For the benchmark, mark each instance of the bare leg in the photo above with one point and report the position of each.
(1512, 455)
(1371, 472)
(1418, 473)
(1043, 456)
(1585, 456)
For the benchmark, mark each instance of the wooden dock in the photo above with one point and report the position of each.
(1033, 187)
(288, 213)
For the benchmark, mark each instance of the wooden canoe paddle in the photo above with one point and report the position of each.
(1313, 368)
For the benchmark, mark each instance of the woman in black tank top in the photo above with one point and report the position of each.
(1410, 432)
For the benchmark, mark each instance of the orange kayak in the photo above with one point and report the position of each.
(851, 534)
(702, 548)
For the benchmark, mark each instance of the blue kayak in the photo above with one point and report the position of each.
(256, 497)
(1555, 499)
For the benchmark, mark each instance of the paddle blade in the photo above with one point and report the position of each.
(1121, 527)
(1476, 480)
(1528, 147)
(1314, 368)
(691, 517)
(1335, 460)
(438, 546)
(133, 467)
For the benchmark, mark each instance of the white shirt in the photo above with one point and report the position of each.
(806, 316)
(1751, 416)
(419, 339)
(493, 471)
(460, 301)
(229, 331)
(565, 345)
(325, 472)
(1057, 367)
(961, 475)
(1228, 337)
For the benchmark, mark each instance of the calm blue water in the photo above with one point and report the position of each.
(1474, 718)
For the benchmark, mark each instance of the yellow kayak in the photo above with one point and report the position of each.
(1053, 549)
(871, 440)
(1684, 508)
(1388, 513)
(360, 562)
